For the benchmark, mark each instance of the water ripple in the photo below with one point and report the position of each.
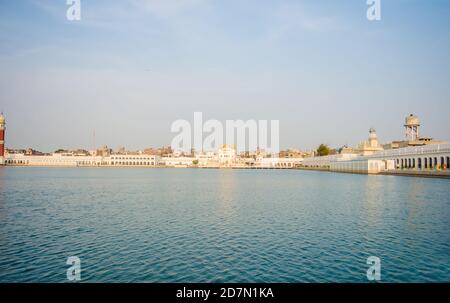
(156, 225)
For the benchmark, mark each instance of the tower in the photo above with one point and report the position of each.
(412, 126)
(370, 146)
(373, 138)
(2, 139)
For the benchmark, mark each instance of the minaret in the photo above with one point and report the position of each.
(373, 138)
(2, 139)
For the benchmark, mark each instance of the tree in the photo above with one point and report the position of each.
(323, 150)
(195, 162)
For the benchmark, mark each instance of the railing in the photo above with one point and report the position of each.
(382, 155)
(418, 150)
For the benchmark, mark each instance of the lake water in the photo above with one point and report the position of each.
(192, 225)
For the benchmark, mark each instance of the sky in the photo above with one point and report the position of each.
(129, 68)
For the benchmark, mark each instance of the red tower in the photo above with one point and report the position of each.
(2, 139)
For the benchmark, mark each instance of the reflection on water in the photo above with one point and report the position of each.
(415, 202)
(375, 188)
(183, 225)
(227, 192)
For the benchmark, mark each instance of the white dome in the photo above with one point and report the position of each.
(412, 120)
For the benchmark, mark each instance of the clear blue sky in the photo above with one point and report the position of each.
(130, 68)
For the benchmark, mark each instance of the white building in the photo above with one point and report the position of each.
(278, 162)
(58, 159)
(226, 156)
(132, 160)
(434, 157)
(207, 160)
(361, 165)
(426, 157)
(178, 161)
(370, 146)
(325, 161)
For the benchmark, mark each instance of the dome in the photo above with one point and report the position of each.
(412, 120)
(2, 118)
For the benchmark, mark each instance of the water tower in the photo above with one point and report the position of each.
(412, 126)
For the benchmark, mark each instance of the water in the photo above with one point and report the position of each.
(187, 225)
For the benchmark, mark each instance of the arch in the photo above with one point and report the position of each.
(419, 163)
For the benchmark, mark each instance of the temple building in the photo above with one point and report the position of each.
(227, 155)
(415, 155)
(370, 146)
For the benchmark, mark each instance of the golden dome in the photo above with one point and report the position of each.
(2, 118)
